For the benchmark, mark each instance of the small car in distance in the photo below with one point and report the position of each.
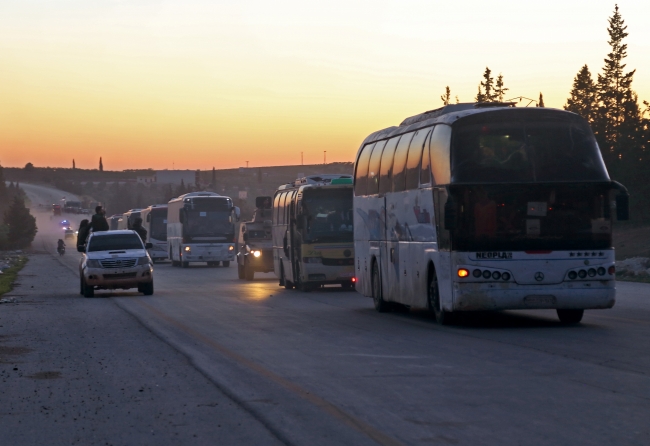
(115, 260)
(69, 233)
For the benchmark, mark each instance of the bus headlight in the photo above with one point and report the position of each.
(462, 272)
(257, 253)
(188, 249)
(231, 248)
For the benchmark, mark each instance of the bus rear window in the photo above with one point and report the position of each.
(509, 147)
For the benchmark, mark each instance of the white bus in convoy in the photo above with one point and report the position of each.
(201, 228)
(128, 218)
(154, 220)
(476, 207)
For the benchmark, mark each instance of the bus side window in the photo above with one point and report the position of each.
(399, 163)
(385, 176)
(425, 170)
(414, 156)
(439, 152)
(373, 168)
(276, 209)
(361, 173)
(283, 198)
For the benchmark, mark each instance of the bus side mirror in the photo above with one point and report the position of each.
(245, 236)
(237, 212)
(622, 207)
(451, 215)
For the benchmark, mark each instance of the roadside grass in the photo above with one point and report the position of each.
(8, 278)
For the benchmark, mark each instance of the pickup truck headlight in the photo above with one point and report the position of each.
(144, 260)
(93, 264)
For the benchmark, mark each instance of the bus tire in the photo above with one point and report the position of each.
(185, 264)
(433, 301)
(283, 280)
(249, 274)
(226, 263)
(377, 296)
(240, 271)
(570, 316)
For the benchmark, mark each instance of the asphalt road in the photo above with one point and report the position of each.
(325, 368)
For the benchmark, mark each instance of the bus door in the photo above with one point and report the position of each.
(443, 266)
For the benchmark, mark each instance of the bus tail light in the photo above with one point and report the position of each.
(462, 272)
(354, 280)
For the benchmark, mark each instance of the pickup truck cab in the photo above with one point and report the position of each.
(115, 260)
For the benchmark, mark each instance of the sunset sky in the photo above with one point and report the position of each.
(194, 84)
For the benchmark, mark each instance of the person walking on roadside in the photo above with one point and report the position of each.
(82, 233)
(142, 232)
(98, 221)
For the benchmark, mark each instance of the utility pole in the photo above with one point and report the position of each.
(324, 156)
(247, 164)
(302, 160)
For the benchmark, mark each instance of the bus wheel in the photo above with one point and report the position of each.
(226, 263)
(570, 316)
(240, 271)
(377, 296)
(433, 302)
(185, 264)
(283, 280)
(249, 274)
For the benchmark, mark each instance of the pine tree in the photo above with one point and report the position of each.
(540, 103)
(446, 98)
(74, 165)
(214, 177)
(101, 164)
(22, 225)
(4, 194)
(500, 90)
(488, 93)
(582, 99)
(619, 119)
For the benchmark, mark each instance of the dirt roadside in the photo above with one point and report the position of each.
(83, 371)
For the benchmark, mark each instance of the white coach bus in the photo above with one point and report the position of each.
(476, 207)
(201, 228)
(154, 220)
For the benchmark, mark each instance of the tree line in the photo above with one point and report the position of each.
(611, 106)
(18, 226)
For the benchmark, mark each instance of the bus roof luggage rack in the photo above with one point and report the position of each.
(321, 180)
(452, 108)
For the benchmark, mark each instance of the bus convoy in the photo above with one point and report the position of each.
(469, 207)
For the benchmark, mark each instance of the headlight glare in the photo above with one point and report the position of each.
(257, 253)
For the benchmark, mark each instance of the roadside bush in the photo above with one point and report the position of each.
(22, 225)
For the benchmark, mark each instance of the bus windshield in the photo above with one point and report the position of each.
(158, 225)
(514, 146)
(208, 224)
(327, 215)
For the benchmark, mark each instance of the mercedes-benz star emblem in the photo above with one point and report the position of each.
(539, 276)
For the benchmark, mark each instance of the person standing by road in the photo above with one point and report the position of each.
(98, 221)
(142, 232)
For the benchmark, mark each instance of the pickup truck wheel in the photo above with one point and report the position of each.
(570, 316)
(89, 291)
(146, 288)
